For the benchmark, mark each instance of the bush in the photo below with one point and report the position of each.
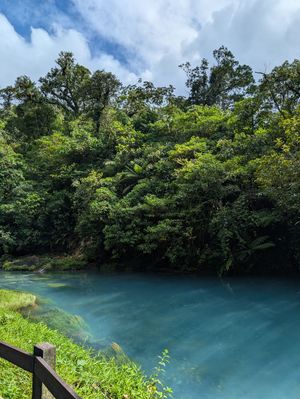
(32, 263)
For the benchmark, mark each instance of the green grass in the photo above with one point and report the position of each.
(31, 263)
(15, 300)
(93, 376)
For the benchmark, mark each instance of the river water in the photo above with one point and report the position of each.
(229, 339)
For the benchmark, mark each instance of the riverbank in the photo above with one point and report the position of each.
(63, 263)
(44, 263)
(93, 376)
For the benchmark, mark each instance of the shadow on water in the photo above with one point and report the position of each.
(234, 339)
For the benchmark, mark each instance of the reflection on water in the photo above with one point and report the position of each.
(227, 340)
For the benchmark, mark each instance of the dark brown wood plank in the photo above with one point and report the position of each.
(52, 381)
(16, 356)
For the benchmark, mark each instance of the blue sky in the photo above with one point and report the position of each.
(146, 39)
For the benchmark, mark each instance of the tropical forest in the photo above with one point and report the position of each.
(153, 237)
(97, 171)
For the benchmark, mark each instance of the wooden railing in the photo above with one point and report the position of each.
(46, 384)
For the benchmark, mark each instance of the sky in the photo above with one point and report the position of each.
(145, 39)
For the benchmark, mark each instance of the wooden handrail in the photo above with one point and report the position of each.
(52, 381)
(16, 356)
(42, 371)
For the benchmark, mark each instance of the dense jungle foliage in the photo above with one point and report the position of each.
(207, 182)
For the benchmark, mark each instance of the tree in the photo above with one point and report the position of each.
(28, 113)
(222, 84)
(73, 88)
(65, 84)
(99, 91)
(280, 88)
(7, 95)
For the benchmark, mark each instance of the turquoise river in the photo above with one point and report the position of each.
(228, 339)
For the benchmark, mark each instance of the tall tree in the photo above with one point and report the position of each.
(280, 88)
(73, 88)
(222, 84)
(99, 90)
(65, 84)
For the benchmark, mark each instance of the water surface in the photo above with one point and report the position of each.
(232, 339)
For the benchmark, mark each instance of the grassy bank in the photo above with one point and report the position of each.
(43, 263)
(91, 375)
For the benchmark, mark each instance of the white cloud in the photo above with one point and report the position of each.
(262, 33)
(155, 36)
(155, 33)
(160, 34)
(35, 57)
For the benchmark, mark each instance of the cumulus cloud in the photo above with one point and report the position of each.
(160, 34)
(150, 38)
(262, 33)
(34, 57)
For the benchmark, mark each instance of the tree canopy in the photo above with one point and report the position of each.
(208, 182)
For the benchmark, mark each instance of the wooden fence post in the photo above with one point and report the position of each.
(48, 353)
